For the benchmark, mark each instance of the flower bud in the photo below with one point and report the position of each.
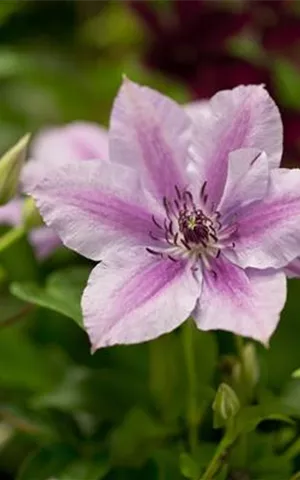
(225, 406)
(11, 164)
(30, 214)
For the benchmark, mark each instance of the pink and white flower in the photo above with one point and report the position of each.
(76, 141)
(190, 216)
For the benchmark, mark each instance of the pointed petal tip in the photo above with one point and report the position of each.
(136, 300)
(125, 79)
(93, 349)
(126, 82)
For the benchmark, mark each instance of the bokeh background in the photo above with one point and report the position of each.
(65, 414)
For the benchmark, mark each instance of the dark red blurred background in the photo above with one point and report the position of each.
(211, 45)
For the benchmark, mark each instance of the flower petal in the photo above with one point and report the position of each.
(292, 270)
(55, 146)
(247, 302)
(198, 110)
(137, 298)
(247, 180)
(268, 234)
(76, 141)
(245, 117)
(150, 132)
(11, 213)
(44, 241)
(91, 204)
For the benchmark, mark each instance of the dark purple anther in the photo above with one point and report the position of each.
(194, 227)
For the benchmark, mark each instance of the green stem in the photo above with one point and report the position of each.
(239, 345)
(216, 462)
(189, 353)
(242, 387)
(161, 367)
(11, 237)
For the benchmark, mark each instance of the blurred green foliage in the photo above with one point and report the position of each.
(121, 413)
(63, 60)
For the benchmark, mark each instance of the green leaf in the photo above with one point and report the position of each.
(23, 364)
(17, 259)
(263, 461)
(136, 438)
(188, 466)
(106, 393)
(11, 309)
(296, 476)
(171, 396)
(206, 353)
(250, 417)
(223, 474)
(276, 366)
(48, 462)
(87, 469)
(7, 9)
(290, 397)
(62, 292)
(166, 459)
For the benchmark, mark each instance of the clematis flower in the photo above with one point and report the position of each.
(77, 141)
(188, 217)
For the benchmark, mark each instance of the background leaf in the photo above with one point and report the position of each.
(62, 292)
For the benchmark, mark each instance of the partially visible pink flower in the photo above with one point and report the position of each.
(187, 218)
(73, 142)
(54, 146)
(43, 239)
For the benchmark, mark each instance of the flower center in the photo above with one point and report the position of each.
(189, 230)
(196, 227)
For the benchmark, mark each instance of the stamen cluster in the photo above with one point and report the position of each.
(187, 228)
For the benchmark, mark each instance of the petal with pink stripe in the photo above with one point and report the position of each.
(137, 298)
(150, 132)
(93, 204)
(247, 303)
(268, 234)
(245, 117)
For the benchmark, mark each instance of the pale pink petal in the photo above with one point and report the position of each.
(149, 132)
(137, 298)
(247, 180)
(292, 270)
(91, 204)
(268, 233)
(44, 241)
(75, 141)
(198, 110)
(243, 302)
(11, 213)
(245, 117)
